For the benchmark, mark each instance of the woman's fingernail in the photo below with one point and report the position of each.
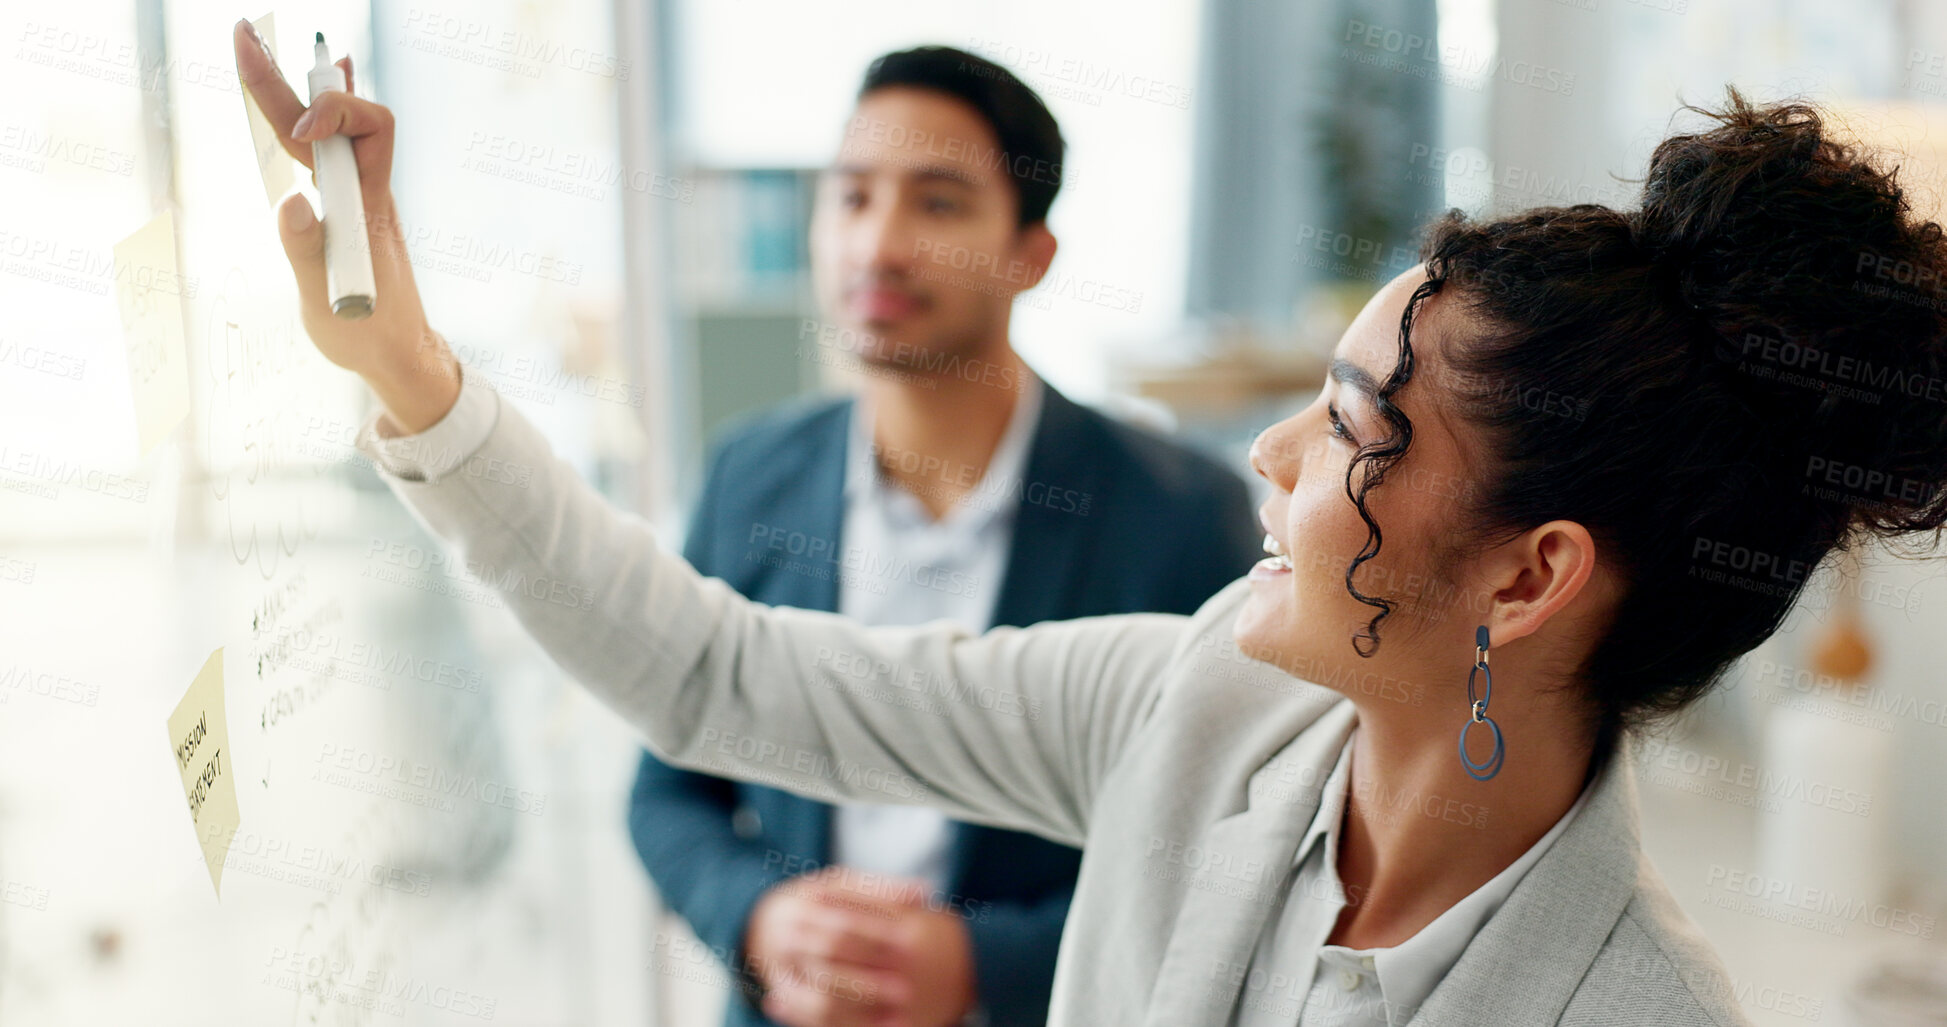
(303, 124)
(261, 44)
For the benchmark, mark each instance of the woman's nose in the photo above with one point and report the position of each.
(1275, 455)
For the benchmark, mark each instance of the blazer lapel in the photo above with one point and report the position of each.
(1218, 923)
(1042, 559)
(808, 495)
(1564, 908)
(1045, 563)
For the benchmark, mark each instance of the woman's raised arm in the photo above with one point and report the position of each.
(1014, 728)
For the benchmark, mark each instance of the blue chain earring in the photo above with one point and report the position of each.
(1478, 707)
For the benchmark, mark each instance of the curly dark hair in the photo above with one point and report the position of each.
(1723, 387)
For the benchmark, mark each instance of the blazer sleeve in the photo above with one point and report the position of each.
(681, 821)
(1016, 728)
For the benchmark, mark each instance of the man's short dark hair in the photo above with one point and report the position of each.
(1030, 143)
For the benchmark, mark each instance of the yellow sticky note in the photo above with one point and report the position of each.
(149, 292)
(273, 161)
(199, 735)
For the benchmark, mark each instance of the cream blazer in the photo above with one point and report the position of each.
(1185, 770)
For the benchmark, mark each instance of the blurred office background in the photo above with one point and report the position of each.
(607, 203)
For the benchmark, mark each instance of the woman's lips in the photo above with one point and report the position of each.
(1270, 567)
(1278, 563)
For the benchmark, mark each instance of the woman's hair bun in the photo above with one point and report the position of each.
(1825, 297)
(1723, 385)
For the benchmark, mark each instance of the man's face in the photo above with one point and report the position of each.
(914, 240)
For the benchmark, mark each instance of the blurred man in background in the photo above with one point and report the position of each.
(955, 485)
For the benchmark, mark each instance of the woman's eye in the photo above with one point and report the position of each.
(1338, 426)
(941, 205)
(852, 199)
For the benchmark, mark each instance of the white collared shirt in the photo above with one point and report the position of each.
(900, 566)
(1295, 977)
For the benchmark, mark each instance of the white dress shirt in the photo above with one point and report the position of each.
(900, 566)
(1294, 977)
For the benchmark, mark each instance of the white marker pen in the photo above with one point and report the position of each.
(348, 258)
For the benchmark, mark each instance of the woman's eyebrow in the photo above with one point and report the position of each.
(1348, 373)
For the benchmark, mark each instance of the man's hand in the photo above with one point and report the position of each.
(397, 353)
(838, 947)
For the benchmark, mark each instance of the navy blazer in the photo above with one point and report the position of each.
(1110, 519)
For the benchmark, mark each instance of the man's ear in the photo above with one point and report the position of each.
(1034, 246)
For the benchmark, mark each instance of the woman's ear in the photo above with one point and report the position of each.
(1538, 576)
